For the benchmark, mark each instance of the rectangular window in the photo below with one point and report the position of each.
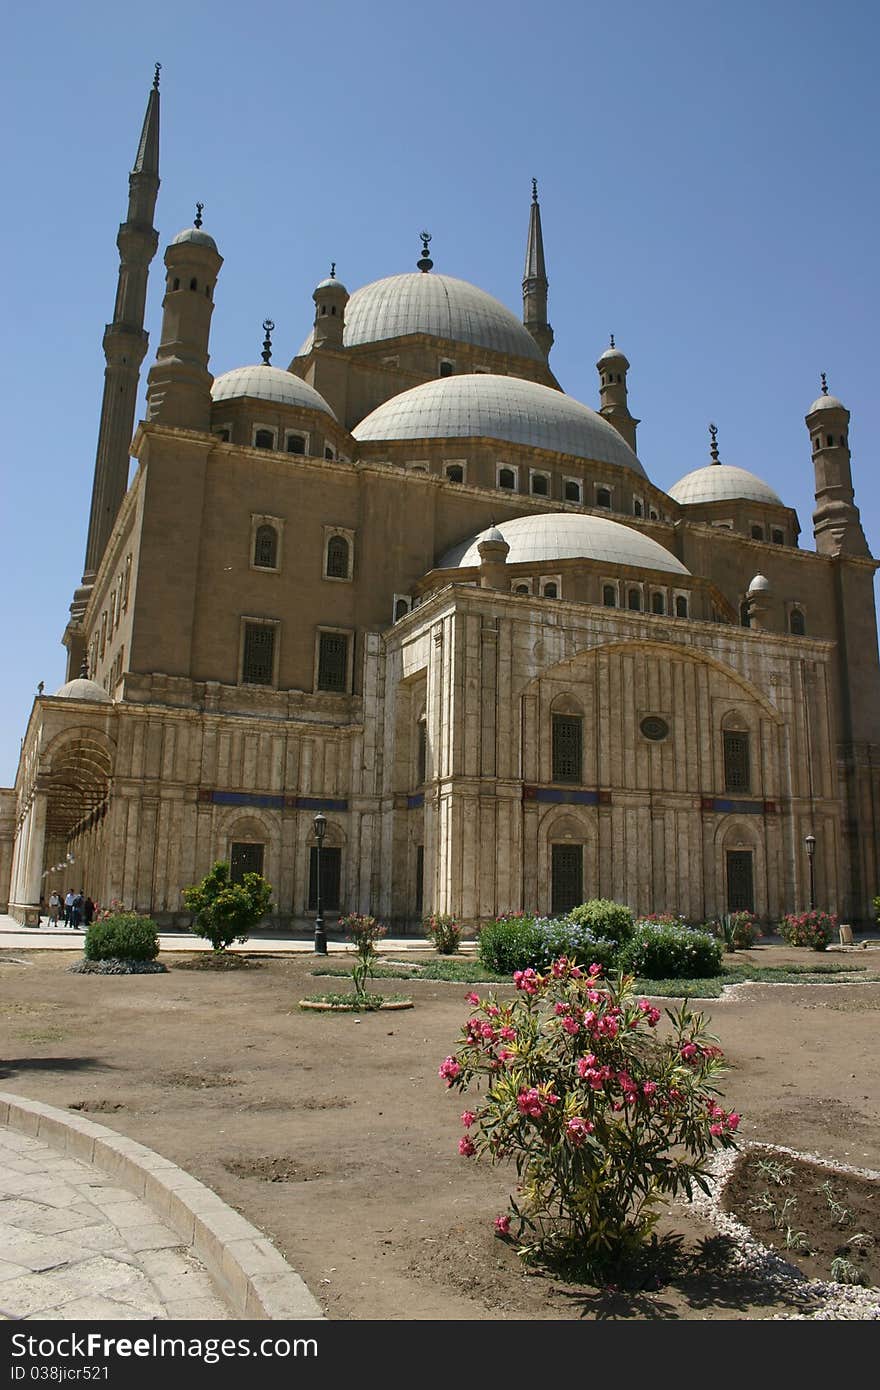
(245, 859)
(258, 661)
(332, 661)
(420, 879)
(567, 747)
(737, 774)
(567, 889)
(331, 875)
(422, 754)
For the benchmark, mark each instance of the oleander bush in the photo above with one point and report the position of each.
(603, 1119)
(443, 931)
(122, 936)
(814, 928)
(671, 951)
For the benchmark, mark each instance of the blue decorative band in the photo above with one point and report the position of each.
(415, 801)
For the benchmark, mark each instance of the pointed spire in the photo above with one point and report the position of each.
(425, 264)
(713, 448)
(332, 270)
(824, 385)
(146, 161)
(268, 327)
(611, 344)
(197, 220)
(535, 268)
(535, 283)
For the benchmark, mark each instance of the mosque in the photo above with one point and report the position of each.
(409, 586)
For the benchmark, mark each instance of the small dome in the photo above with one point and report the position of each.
(826, 403)
(80, 688)
(196, 237)
(722, 482)
(760, 585)
(507, 408)
(567, 536)
(331, 283)
(613, 354)
(265, 383)
(439, 305)
(493, 535)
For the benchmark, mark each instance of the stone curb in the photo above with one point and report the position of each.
(253, 1277)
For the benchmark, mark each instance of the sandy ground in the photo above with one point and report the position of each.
(334, 1134)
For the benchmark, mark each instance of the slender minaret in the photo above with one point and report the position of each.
(612, 367)
(535, 283)
(179, 383)
(125, 343)
(836, 523)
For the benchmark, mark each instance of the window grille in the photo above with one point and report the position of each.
(264, 439)
(337, 558)
(567, 871)
(797, 623)
(332, 661)
(567, 747)
(331, 876)
(245, 859)
(740, 881)
(422, 754)
(737, 774)
(296, 444)
(266, 547)
(259, 654)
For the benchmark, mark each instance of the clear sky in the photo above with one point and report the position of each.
(708, 181)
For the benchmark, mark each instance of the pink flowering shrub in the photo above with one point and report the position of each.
(363, 932)
(813, 928)
(602, 1117)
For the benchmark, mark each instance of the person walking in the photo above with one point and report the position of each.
(68, 909)
(55, 905)
(76, 908)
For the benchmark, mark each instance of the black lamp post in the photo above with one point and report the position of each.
(320, 934)
(810, 844)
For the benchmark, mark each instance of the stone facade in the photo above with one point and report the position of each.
(658, 711)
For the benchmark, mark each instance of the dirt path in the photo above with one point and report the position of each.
(334, 1134)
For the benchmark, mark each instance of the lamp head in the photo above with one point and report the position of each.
(810, 842)
(320, 826)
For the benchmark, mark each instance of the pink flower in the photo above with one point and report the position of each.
(526, 980)
(595, 970)
(467, 1118)
(449, 1070)
(649, 1088)
(585, 1063)
(577, 1130)
(466, 1147)
(502, 1225)
(717, 1130)
(472, 998)
(571, 1025)
(508, 1033)
(733, 1121)
(689, 1051)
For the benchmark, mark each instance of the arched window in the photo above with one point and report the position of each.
(266, 548)
(506, 478)
(264, 439)
(296, 444)
(634, 600)
(778, 536)
(447, 368)
(797, 623)
(338, 551)
(521, 588)
(638, 509)
(572, 490)
(455, 473)
(540, 485)
(401, 608)
(681, 606)
(745, 616)
(603, 497)
(550, 590)
(658, 602)
(609, 596)
(176, 282)
(193, 285)
(757, 533)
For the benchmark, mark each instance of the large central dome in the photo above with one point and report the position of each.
(507, 408)
(438, 305)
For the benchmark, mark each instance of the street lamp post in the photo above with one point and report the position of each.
(810, 845)
(320, 934)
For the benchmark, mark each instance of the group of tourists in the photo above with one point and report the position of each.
(76, 909)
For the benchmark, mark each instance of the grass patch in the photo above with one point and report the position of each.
(470, 972)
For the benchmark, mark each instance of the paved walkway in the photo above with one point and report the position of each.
(74, 1245)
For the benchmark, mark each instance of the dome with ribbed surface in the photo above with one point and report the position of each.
(722, 482)
(505, 408)
(439, 305)
(81, 688)
(264, 383)
(568, 536)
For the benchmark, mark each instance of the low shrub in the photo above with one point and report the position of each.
(443, 932)
(610, 920)
(507, 944)
(363, 931)
(738, 930)
(814, 928)
(224, 911)
(604, 1119)
(122, 936)
(671, 951)
(580, 943)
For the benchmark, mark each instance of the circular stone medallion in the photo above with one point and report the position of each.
(654, 728)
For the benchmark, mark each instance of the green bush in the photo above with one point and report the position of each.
(577, 942)
(507, 944)
(613, 921)
(225, 912)
(443, 931)
(667, 951)
(122, 936)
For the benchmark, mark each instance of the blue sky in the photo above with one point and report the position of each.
(708, 180)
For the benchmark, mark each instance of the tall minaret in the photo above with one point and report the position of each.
(836, 523)
(125, 343)
(535, 283)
